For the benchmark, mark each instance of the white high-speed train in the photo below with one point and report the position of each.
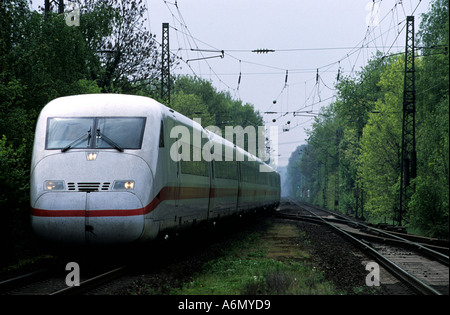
(105, 170)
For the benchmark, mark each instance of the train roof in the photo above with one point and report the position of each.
(126, 105)
(101, 104)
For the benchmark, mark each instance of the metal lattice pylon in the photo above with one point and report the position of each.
(408, 157)
(48, 5)
(165, 64)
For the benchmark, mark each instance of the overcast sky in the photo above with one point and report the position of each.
(306, 35)
(312, 40)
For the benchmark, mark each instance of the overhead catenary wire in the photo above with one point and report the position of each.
(375, 38)
(192, 43)
(353, 49)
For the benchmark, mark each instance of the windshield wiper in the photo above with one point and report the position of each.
(109, 141)
(88, 134)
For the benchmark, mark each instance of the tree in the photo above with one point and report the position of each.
(225, 110)
(430, 204)
(355, 101)
(381, 145)
(40, 59)
(13, 194)
(366, 117)
(129, 54)
(192, 107)
(295, 178)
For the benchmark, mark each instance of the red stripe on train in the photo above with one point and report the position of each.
(166, 193)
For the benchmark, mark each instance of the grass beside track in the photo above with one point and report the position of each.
(274, 262)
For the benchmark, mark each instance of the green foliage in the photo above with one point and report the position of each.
(14, 186)
(429, 207)
(381, 145)
(226, 111)
(42, 58)
(192, 106)
(13, 174)
(246, 268)
(430, 203)
(354, 150)
(128, 51)
(230, 276)
(197, 98)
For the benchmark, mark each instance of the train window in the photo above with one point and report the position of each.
(199, 168)
(95, 132)
(65, 132)
(126, 132)
(225, 169)
(247, 172)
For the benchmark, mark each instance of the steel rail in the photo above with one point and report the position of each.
(435, 252)
(391, 266)
(92, 282)
(442, 258)
(10, 284)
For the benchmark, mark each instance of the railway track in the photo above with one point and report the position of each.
(114, 268)
(422, 266)
(400, 255)
(93, 282)
(53, 282)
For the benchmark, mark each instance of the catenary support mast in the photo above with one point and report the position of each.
(408, 157)
(165, 64)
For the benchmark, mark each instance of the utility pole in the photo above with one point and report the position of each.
(409, 157)
(165, 64)
(48, 6)
(359, 183)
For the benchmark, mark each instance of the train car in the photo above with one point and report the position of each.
(115, 169)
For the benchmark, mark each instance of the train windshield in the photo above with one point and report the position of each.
(95, 133)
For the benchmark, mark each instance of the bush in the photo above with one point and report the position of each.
(429, 207)
(14, 196)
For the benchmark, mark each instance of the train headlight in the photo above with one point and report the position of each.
(123, 185)
(91, 156)
(54, 185)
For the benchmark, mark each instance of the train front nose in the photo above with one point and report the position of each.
(82, 218)
(90, 201)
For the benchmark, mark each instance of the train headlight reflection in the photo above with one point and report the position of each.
(91, 156)
(123, 185)
(54, 185)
